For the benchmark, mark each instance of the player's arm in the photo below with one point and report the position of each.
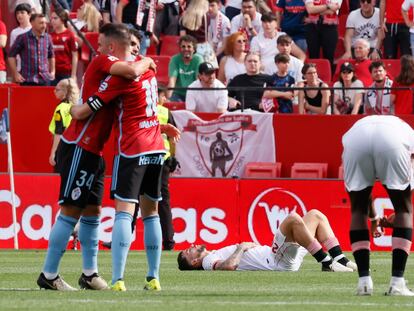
(232, 263)
(132, 70)
(80, 112)
(171, 131)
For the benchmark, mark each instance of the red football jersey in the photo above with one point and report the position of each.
(63, 45)
(137, 129)
(92, 133)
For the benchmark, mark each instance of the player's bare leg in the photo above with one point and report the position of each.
(295, 230)
(401, 240)
(121, 241)
(360, 238)
(319, 226)
(152, 241)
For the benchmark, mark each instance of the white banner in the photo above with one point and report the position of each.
(222, 147)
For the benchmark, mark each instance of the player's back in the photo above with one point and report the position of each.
(92, 133)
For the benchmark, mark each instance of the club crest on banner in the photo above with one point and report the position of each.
(222, 147)
(220, 141)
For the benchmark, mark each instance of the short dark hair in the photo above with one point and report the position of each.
(36, 15)
(188, 38)
(119, 32)
(375, 65)
(268, 17)
(135, 33)
(284, 39)
(183, 263)
(282, 58)
(306, 66)
(214, 1)
(23, 7)
(254, 1)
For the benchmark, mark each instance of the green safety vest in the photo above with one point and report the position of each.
(163, 118)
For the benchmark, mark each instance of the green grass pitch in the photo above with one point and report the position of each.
(308, 289)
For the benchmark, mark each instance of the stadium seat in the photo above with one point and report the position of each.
(175, 105)
(92, 37)
(152, 50)
(342, 25)
(324, 68)
(341, 172)
(309, 170)
(262, 170)
(76, 4)
(169, 45)
(393, 67)
(340, 48)
(162, 63)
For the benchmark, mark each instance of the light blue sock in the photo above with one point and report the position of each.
(58, 241)
(88, 237)
(121, 241)
(153, 242)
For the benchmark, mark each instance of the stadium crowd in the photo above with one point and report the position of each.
(249, 43)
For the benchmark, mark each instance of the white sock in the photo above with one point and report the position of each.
(365, 279)
(396, 280)
(89, 272)
(50, 276)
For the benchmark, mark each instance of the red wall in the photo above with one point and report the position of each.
(298, 138)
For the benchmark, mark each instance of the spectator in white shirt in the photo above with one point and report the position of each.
(248, 21)
(206, 100)
(364, 23)
(218, 26)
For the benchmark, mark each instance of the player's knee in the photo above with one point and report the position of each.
(294, 220)
(317, 215)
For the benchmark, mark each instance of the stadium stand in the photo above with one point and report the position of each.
(324, 68)
(262, 170)
(309, 170)
(393, 67)
(169, 45)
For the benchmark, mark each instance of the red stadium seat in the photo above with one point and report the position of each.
(340, 48)
(393, 67)
(324, 68)
(175, 105)
(76, 4)
(162, 63)
(342, 25)
(169, 45)
(92, 37)
(341, 172)
(262, 170)
(309, 170)
(152, 50)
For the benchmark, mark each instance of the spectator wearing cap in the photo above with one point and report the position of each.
(206, 100)
(248, 21)
(36, 52)
(183, 68)
(348, 101)
(361, 62)
(266, 41)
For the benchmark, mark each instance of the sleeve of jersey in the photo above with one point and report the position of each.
(109, 89)
(210, 261)
(105, 63)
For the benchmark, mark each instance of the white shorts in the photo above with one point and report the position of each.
(288, 255)
(377, 148)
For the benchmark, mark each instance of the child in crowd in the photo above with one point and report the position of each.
(282, 98)
(68, 93)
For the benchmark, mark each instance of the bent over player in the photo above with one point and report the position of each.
(295, 237)
(380, 147)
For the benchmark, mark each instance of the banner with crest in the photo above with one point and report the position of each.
(222, 147)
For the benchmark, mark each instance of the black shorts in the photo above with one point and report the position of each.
(132, 177)
(81, 176)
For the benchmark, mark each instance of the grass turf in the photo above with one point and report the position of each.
(308, 289)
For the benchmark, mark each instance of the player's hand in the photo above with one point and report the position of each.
(376, 230)
(387, 222)
(151, 64)
(171, 131)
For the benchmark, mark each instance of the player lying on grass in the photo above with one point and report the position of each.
(295, 237)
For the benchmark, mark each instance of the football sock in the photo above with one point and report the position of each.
(58, 241)
(332, 245)
(315, 249)
(361, 250)
(88, 237)
(152, 242)
(401, 246)
(121, 241)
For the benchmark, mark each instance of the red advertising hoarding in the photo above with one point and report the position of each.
(214, 212)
